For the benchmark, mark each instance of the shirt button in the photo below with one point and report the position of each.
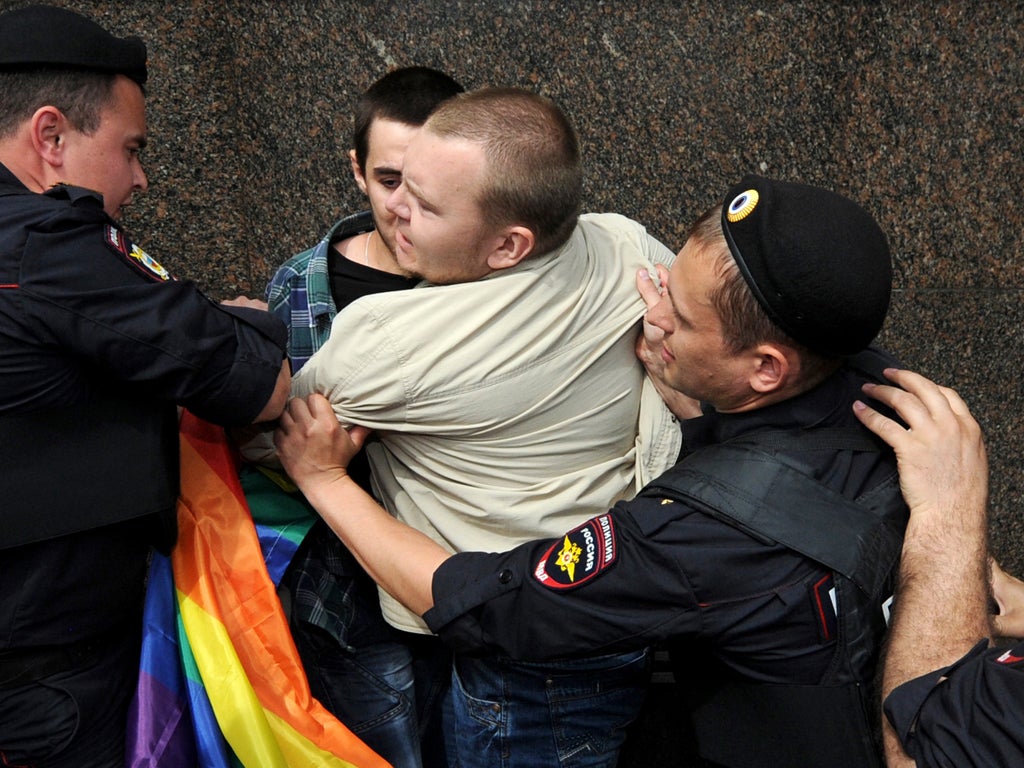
(505, 576)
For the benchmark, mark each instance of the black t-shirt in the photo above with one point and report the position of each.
(351, 280)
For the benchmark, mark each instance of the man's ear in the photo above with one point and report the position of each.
(357, 172)
(515, 245)
(772, 370)
(48, 129)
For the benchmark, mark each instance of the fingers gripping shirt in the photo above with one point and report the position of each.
(508, 408)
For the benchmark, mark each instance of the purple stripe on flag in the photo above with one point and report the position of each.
(159, 725)
(166, 726)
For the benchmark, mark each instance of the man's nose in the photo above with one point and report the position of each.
(396, 203)
(141, 183)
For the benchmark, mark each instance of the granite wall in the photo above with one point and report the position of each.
(916, 109)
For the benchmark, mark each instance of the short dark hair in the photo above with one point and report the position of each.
(745, 324)
(408, 95)
(81, 95)
(533, 175)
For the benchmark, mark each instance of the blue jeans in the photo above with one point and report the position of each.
(358, 667)
(569, 714)
(370, 690)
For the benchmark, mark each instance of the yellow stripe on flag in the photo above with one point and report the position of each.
(236, 628)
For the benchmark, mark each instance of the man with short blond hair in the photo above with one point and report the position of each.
(505, 388)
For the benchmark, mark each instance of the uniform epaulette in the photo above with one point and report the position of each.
(75, 195)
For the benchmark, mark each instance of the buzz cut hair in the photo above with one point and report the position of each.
(533, 174)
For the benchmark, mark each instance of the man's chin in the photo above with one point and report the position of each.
(404, 262)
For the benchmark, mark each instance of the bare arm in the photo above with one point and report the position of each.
(942, 597)
(315, 450)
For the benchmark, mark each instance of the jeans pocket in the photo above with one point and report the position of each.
(591, 707)
(364, 689)
(478, 733)
(568, 714)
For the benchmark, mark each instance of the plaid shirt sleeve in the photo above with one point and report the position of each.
(299, 295)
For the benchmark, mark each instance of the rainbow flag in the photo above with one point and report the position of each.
(220, 683)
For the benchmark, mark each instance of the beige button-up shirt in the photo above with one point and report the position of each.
(509, 408)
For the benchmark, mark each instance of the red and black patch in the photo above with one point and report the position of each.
(1012, 657)
(116, 240)
(823, 599)
(134, 255)
(578, 556)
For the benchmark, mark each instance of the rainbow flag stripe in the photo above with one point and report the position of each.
(221, 683)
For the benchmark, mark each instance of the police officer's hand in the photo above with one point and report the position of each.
(312, 446)
(942, 462)
(648, 345)
(245, 301)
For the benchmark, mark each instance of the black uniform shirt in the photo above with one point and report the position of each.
(82, 309)
(94, 331)
(664, 570)
(968, 715)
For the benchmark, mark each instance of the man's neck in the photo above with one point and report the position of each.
(369, 250)
(18, 159)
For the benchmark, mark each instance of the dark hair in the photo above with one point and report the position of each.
(408, 95)
(79, 94)
(533, 169)
(745, 324)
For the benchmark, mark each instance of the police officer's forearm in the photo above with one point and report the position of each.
(279, 397)
(941, 607)
(941, 603)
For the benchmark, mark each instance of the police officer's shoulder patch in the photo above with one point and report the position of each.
(1013, 657)
(579, 556)
(134, 255)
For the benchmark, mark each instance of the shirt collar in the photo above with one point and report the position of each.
(824, 404)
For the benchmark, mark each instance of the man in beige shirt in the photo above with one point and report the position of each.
(505, 390)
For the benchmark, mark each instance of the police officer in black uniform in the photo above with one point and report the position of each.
(98, 343)
(765, 558)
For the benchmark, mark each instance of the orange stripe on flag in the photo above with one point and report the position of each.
(235, 624)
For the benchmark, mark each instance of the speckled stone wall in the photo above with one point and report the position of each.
(913, 108)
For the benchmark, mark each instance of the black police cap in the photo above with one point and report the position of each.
(41, 35)
(816, 262)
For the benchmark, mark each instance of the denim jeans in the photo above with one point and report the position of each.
(370, 690)
(432, 666)
(569, 714)
(357, 665)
